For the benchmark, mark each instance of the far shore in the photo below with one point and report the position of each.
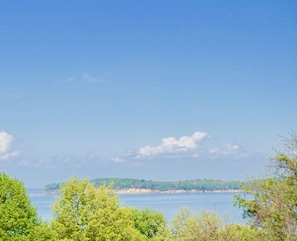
(150, 191)
(132, 191)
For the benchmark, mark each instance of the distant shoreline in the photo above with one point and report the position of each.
(150, 191)
(142, 186)
(134, 191)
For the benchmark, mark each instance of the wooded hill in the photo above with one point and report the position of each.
(186, 185)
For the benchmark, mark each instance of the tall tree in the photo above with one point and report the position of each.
(84, 212)
(272, 203)
(18, 218)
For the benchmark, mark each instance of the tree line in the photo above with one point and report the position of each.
(186, 185)
(84, 212)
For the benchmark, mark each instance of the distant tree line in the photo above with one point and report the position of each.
(187, 185)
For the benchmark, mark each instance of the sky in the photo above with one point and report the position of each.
(158, 90)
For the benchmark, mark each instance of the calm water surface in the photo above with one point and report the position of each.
(168, 204)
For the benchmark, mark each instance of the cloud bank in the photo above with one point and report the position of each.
(5, 146)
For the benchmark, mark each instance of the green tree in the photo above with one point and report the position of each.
(150, 223)
(18, 218)
(84, 212)
(272, 204)
(207, 226)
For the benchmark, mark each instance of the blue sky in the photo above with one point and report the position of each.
(161, 90)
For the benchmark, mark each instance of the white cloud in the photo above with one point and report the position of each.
(24, 163)
(229, 150)
(118, 159)
(9, 155)
(70, 79)
(5, 141)
(53, 161)
(89, 79)
(183, 148)
(172, 145)
(5, 146)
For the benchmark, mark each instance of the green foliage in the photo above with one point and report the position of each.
(272, 205)
(150, 223)
(84, 212)
(18, 218)
(206, 226)
(186, 185)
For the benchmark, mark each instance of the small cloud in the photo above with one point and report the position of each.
(42, 163)
(67, 160)
(229, 150)
(94, 155)
(52, 161)
(90, 79)
(232, 148)
(24, 163)
(5, 141)
(94, 80)
(5, 146)
(172, 145)
(9, 155)
(87, 78)
(70, 79)
(118, 160)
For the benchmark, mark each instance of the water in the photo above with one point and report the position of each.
(168, 204)
(43, 202)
